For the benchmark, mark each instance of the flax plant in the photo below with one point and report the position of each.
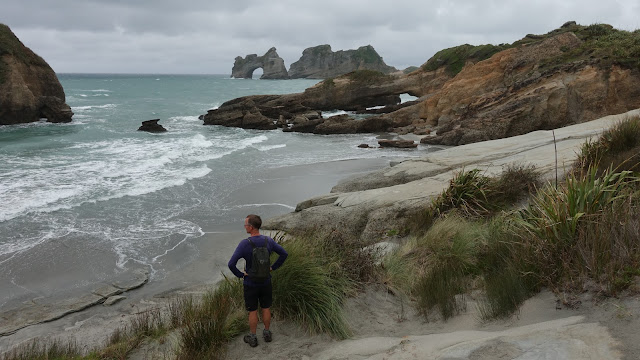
(548, 228)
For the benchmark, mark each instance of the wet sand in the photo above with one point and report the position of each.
(192, 266)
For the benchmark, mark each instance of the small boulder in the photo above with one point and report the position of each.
(152, 126)
(364, 146)
(397, 143)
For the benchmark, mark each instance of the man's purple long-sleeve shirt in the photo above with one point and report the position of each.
(244, 251)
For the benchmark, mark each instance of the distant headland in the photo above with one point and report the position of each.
(318, 62)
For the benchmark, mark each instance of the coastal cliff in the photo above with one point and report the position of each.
(469, 93)
(320, 62)
(566, 77)
(29, 88)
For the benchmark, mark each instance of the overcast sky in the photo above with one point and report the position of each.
(204, 36)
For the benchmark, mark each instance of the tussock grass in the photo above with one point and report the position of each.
(435, 268)
(468, 192)
(312, 285)
(617, 148)
(207, 325)
(449, 252)
(146, 324)
(506, 281)
(44, 350)
(477, 196)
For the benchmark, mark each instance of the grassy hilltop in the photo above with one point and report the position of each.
(600, 42)
(10, 45)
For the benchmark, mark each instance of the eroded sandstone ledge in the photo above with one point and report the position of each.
(371, 205)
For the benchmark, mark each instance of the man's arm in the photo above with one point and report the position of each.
(234, 261)
(282, 255)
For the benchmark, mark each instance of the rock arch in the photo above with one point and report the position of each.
(271, 63)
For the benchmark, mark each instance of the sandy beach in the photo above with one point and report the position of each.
(384, 325)
(191, 267)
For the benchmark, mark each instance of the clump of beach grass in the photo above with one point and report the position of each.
(505, 281)
(144, 325)
(311, 287)
(207, 325)
(38, 349)
(617, 148)
(435, 268)
(475, 195)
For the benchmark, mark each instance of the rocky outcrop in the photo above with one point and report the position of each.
(573, 337)
(271, 63)
(372, 204)
(476, 93)
(320, 62)
(29, 88)
(403, 144)
(354, 91)
(152, 126)
(514, 92)
(40, 310)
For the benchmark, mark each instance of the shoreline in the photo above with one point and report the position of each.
(381, 325)
(92, 322)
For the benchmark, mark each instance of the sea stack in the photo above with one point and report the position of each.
(29, 88)
(320, 62)
(271, 63)
(152, 126)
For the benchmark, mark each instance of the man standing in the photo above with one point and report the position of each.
(255, 291)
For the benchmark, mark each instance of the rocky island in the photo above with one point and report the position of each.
(271, 63)
(29, 88)
(318, 62)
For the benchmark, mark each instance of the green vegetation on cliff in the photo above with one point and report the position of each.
(11, 45)
(601, 44)
(367, 54)
(455, 58)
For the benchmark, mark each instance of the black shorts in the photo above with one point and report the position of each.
(257, 294)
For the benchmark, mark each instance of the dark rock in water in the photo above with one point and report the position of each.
(397, 143)
(152, 126)
(29, 88)
(364, 146)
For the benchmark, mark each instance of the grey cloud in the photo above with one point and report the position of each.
(204, 36)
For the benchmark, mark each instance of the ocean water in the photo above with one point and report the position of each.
(84, 201)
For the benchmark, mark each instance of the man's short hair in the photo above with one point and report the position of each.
(254, 220)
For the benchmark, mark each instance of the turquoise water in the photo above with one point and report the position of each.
(86, 200)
